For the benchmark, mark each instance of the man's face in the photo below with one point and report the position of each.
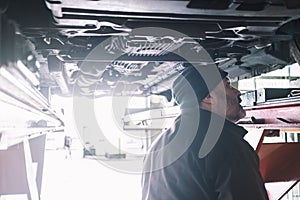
(234, 111)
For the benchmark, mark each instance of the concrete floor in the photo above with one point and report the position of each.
(88, 178)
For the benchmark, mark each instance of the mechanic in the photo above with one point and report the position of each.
(203, 155)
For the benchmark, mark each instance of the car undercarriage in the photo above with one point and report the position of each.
(105, 47)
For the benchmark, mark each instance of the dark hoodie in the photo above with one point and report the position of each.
(180, 166)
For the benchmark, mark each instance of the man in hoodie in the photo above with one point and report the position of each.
(203, 155)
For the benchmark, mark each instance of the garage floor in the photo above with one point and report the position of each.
(80, 178)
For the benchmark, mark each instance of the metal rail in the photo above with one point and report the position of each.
(277, 114)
